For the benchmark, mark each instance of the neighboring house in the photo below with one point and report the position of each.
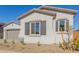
(1, 30)
(11, 31)
(44, 25)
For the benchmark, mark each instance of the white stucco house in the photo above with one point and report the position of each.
(44, 25)
(11, 31)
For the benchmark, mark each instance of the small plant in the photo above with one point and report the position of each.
(38, 44)
(60, 45)
(13, 42)
(65, 45)
(22, 48)
(5, 41)
(22, 42)
(77, 44)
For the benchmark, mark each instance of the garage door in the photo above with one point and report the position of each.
(12, 34)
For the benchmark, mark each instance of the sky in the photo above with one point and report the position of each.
(10, 13)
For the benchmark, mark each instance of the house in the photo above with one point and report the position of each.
(44, 25)
(1, 30)
(11, 31)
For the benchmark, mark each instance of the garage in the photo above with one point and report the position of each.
(11, 31)
(12, 34)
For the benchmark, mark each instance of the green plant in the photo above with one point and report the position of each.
(77, 44)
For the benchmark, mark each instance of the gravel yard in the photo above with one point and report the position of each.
(31, 48)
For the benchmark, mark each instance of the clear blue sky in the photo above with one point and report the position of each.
(9, 13)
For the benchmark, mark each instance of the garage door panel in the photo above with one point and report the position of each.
(12, 34)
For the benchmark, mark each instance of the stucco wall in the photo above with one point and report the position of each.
(51, 36)
(65, 35)
(10, 26)
(44, 39)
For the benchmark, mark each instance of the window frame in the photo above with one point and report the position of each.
(60, 22)
(35, 28)
(65, 25)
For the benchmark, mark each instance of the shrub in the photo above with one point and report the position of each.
(77, 44)
(65, 45)
(13, 42)
(22, 42)
(5, 41)
(60, 45)
(38, 44)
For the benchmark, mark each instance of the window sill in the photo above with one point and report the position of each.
(61, 32)
(36, 35)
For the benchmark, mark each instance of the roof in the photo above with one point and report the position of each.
(52, 8)
(38, 11)
(8, 24)
(44, 10)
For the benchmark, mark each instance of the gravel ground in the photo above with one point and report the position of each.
(6, 51)
(31, 48)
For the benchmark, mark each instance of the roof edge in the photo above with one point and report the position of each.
(9, 23)
(36, 10)
(65, 10)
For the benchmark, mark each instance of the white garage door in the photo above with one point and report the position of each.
(12, 34)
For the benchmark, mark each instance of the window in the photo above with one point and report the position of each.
(62, 25)
(35, 28)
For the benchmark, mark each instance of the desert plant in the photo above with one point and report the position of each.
(62, 34)
(66, 44)
(60, 45)
(38, 44)
(77, 44)
(5, 41)
(23, 47)
(13, 42)
(22, 42)
(69, 30)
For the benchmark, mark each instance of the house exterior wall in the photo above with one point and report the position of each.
(43, 39)
(8, 27)
(51, 35)
(60, 15)
(69, 17)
